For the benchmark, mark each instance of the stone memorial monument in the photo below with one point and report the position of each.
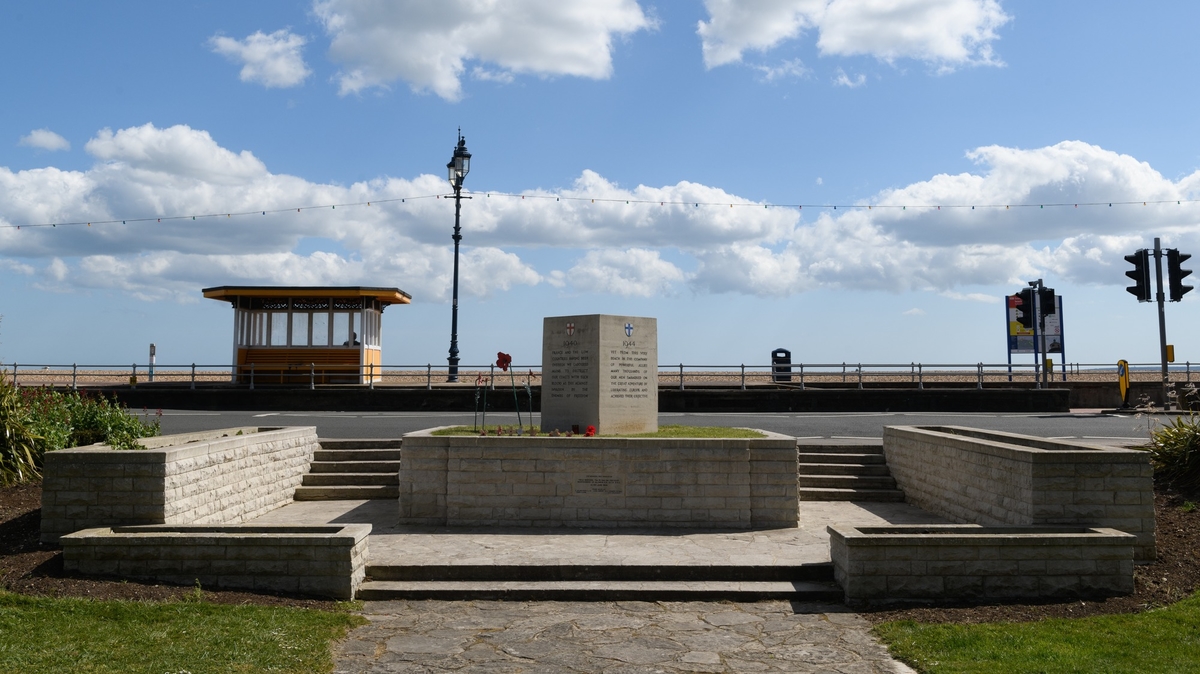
(602, 371)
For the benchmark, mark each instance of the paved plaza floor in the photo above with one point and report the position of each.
(391, 543)
(609, 637)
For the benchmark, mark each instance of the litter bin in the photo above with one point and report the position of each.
(781, 365)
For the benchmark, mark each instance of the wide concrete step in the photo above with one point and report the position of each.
(875, 447)
(347, 492)
(356, 455)
(602, 590)
(338, 479)
(833, 494)
(816, 572)
(847, 481)
(842, 457)
(845, 469)
(354, 467)
(360, 443)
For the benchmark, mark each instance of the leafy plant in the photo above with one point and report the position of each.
(1175, 451)
(40, 420)
(20, 446)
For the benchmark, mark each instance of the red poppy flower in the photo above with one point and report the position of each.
(503, 360)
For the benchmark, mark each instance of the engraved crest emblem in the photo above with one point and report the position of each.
(629, 329)
(570, 329)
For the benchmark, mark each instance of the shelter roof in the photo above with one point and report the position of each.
(383, 295)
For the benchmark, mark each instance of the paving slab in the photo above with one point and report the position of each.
(611, 638)
(391, 543)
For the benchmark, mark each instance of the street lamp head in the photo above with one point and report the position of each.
(460, 163)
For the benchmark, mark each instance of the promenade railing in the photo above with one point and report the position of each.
(795, 375)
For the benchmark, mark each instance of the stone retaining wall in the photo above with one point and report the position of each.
(218, 477)
(996, 478)
(328, 561)
(609, 482)
(947, 562)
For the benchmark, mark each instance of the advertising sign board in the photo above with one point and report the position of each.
(1020, 338)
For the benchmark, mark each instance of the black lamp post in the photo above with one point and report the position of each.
(458, 168)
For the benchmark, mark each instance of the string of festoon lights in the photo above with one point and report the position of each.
(606, 200)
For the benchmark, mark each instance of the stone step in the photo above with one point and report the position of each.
(530, 573)
(354, 467)
(831, 494)
(845, 469)
(360, 443)
(846, 481)
(347, 492)
(843, 457)
(356, 455)
(604, 590)
(340, 479)
(846, 448)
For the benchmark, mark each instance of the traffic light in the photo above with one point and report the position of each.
(1046, 303)
(1025, 310)
(1140, 275)
(1177, 274)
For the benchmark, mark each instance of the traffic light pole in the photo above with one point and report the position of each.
(1161, 297)
(1039, 371)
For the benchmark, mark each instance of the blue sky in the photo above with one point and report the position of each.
(129, 110)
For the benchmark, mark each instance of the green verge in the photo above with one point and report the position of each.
(42, 634)
(674, 431)
(1161, 640)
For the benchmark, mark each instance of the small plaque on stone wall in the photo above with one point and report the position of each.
(598, 484)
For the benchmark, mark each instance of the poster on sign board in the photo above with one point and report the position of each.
(1020, 338)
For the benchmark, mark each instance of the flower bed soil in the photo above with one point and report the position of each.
(28, 567)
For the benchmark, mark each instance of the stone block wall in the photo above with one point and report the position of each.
(327, 561)
(996, 478)
(608, 482)
(949, 562)
(218, 477)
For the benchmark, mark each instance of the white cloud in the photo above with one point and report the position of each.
(44, 139)
(16, 267)
(915, 311)
(969, 297)
(943, 33)
(634, 242)
(179, 152)
(428, 45)
(634, 272)
(273, 60)
(792, 68)
(844, 80)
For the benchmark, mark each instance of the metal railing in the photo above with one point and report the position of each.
(682, 376)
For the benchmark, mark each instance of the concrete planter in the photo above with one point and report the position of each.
(995, 478)
(327, 561)
(950, 562)
(598, 482)
(218, 477)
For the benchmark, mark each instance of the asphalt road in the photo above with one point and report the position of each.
(823, 425)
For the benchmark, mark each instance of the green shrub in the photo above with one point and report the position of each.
(1175, 452)
(20, 446)
(40, 420)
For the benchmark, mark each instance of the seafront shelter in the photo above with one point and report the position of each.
(304, 334)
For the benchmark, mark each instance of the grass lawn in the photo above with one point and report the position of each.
(1162, 640)
(674, 431)
(40, 634)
